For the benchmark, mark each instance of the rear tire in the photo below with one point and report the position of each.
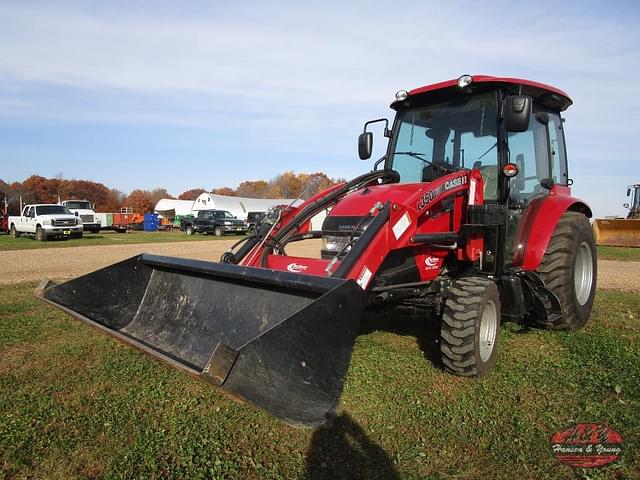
(218, 231)
(189, 230)
(569, 269)
(470, 327)
(41, 235)
(13, 232)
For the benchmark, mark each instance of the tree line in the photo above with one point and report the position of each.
(38, 189)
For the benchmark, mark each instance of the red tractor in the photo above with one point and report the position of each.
(468, 215)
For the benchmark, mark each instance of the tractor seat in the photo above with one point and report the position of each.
(490, 181)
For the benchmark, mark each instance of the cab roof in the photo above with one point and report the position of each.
(546, 94)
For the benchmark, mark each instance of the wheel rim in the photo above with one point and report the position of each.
(583, 273)
(488, 329)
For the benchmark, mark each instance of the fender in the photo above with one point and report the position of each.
(543, 216)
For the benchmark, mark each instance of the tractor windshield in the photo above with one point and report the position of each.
(433, 140)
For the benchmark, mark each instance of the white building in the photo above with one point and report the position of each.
(169, 207)
(237, 206)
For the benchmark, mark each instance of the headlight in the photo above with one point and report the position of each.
(47, 221)
(227, 223)
(331, 243)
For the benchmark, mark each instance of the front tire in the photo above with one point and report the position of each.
(470, 327)
(189, 230)
(41, 235)
(569, 269)
(218, 231)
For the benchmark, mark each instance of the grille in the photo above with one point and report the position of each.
(64, 222)
(87, 218)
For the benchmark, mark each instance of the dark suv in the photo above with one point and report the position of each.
(217, 222)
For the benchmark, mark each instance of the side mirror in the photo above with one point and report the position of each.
(517, 112)
(76, 213)
(365, 145)
(547, 183)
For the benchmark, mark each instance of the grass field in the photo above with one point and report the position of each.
(76, 404)
(619, 253)
(103, 238)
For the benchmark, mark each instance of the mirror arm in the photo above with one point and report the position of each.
(379, 161)
(387, 132)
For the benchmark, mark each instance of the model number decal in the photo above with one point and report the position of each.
(430, 196)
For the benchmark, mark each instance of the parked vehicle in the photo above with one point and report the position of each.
(469, 220)
(85, 210)
(127, 220)
(253, 219)
(4, 218)
(4, 222)
(44, 221)
(218, 222)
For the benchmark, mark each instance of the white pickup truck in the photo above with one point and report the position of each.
(45, 221)
(84, 209)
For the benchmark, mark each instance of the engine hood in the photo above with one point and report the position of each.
(360, 203)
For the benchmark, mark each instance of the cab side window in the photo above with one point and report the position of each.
(558, 150)
(529, 151)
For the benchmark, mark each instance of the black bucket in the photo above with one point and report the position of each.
(278, 340)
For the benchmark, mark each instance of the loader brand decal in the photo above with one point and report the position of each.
(431, 263)
(364, 277)
(401, 225)
(587, 445)
(296, 268)
(431, 195)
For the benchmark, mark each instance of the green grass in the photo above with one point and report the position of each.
(76, 404)
(103, 238)
(619, 253)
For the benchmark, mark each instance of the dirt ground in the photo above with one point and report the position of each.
(62, 263)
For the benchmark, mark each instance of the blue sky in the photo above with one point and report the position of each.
(189, 94)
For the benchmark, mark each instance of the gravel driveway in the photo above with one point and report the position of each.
(61, 263)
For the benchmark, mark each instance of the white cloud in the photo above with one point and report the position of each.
(292, 76)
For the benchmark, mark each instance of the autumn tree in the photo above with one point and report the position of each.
(230, 192)
(140, 200)
(253, 189)
(285, 185)
(191, 194)
(158, 194)
(114, 201)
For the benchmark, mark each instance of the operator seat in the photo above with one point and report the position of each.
(430, 173)
(489, 179)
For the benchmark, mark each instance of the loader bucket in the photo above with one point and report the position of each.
(280, 341)
(617, 232)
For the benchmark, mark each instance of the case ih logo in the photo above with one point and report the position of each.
(431, 263)
(296, 267)
(587, 445)
(430, 196)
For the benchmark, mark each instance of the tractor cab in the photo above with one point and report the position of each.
(508, 129)
(633, 192)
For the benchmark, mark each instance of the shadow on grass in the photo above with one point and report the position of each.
(419, 324)
(344, 451)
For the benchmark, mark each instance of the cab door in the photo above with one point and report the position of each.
(539, 153)
(30, 219)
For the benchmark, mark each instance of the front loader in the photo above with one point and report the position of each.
(468, 217)
(621, 232)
